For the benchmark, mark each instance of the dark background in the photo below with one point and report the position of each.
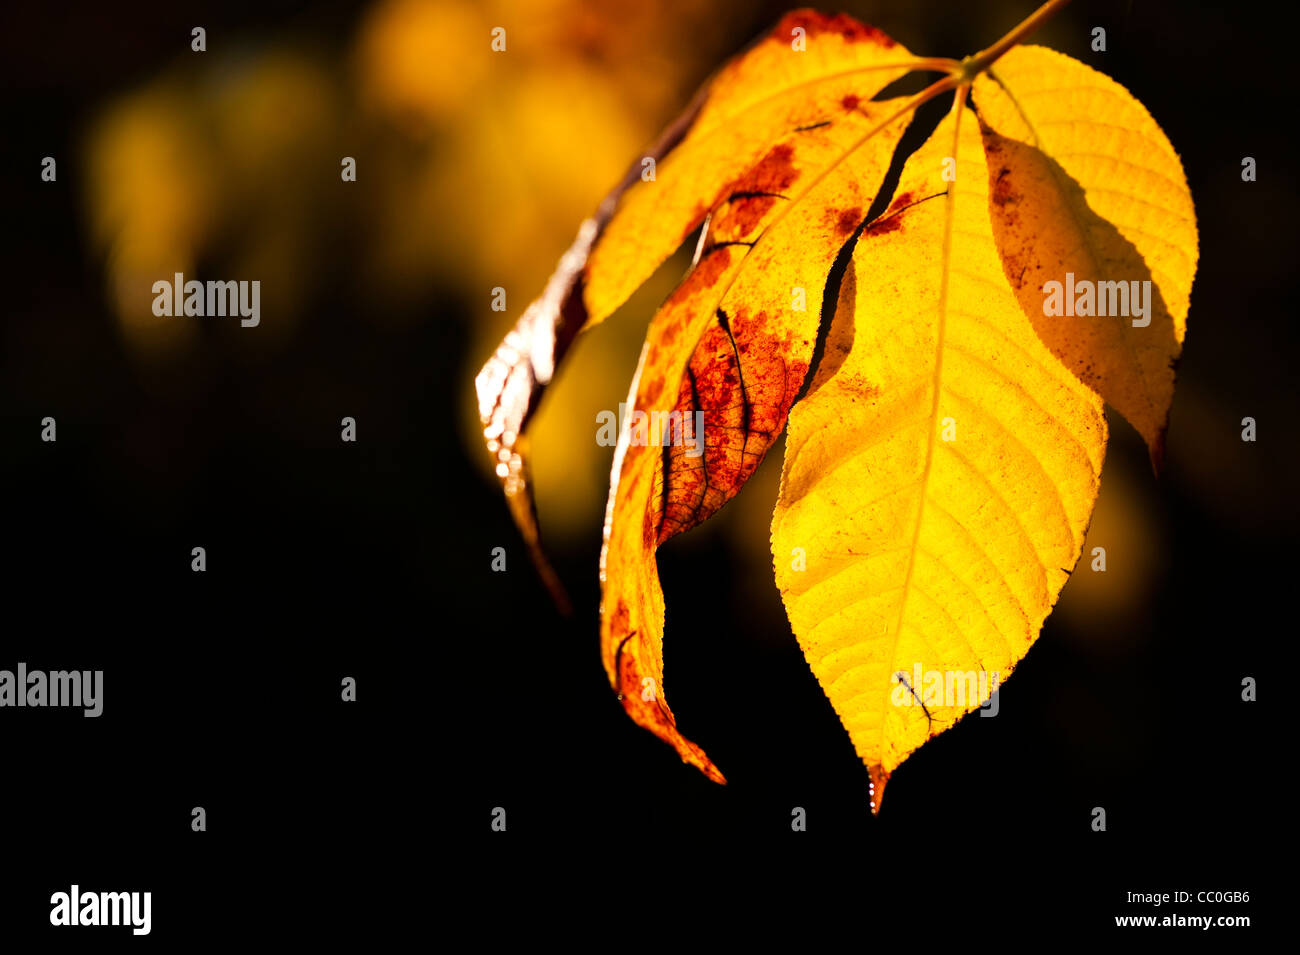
(372, 560)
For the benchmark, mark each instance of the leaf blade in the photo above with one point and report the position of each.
(789, 241)
(766, 86)
(1086, 182)
(897, 575)
(629, 236)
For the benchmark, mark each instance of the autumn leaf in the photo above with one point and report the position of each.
(1084, 182)
(729, 343)
(946, 436)
(766, 120)
(920, 546)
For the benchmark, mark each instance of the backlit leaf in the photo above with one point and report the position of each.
(1084, 182)
(925, 547)
(728, 342)
(946, 436)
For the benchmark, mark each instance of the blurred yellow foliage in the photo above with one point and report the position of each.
(152, 198)
(518, 145)
(180, 165)
(473, 169)
(421, 61)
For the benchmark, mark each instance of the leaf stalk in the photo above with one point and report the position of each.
(977, 63)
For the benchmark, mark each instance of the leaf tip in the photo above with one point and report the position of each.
(655, 716)
(713, 773)
(876, 787)
(519, 500)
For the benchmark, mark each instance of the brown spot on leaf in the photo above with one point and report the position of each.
(901, 201)
(891, 220)
(619, 626)
(815, 23)
(713, 263)
(891, 223)
(759, 191)
(653, 384)
(710, 268)
(848, 220)
(1004, 192)
(743, 375)
(774, 172)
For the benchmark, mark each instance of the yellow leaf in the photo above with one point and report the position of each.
(730, 342)
(941, 479)
(1084, 182)
(943, 461)
(773, 119)
(755, 101)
